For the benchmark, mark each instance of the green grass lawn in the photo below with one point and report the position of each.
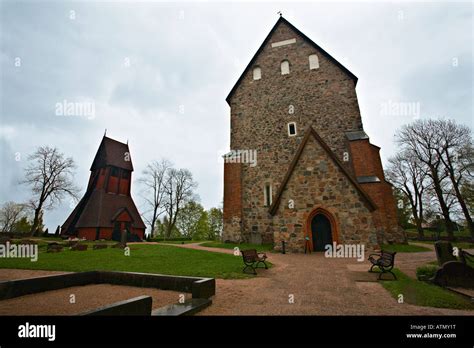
(424, 294)
(413, 233)
(403, 248)
(462, 245)
(242, 246)
(163, 259)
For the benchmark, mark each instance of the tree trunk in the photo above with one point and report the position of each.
(153, 223)
(442, 203)
(420, 213)
(464, 208)
(35, 221)
(419, 228)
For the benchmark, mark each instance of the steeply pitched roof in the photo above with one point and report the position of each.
(357, 135)
(102, 208)
(112, 153)
(311, 132)
(283, 20)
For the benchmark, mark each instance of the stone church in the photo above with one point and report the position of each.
(317, 178)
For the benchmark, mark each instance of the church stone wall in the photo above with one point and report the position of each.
(324, 98)
(317, 182)
(260, 111)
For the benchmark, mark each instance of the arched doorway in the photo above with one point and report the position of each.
(321, 232)
(321, 229)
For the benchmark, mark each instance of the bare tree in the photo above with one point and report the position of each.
(423, 140)
(154, 179)
(50, 176)
(456, 153)
(179, 190)
(10, 214)
(407, 174)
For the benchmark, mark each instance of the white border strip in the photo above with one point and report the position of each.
(283, 43)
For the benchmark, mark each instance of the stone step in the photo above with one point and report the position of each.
(463, 291)
(187, 308)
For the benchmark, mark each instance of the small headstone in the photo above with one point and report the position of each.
(444, 252)
(123, 237)
(119, 246)
(99, 246)
(79, 247)
(54, 248)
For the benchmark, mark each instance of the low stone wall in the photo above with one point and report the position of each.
(200, 288)
(140, 305)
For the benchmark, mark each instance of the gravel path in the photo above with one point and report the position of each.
(300, 284)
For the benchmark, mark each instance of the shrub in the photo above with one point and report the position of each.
(426, 272)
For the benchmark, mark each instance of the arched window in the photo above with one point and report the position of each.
(257, 73)
(285, 67)
(313, 62)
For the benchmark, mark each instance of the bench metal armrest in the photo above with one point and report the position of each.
(377, 254)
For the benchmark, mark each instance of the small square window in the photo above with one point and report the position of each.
(114, 172)
(292, 129)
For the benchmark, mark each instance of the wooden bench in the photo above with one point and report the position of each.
(252, 259)
(385, 261)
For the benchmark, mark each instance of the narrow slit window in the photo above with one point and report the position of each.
(268, 195)
(292, 129)
(285, 67)
(257, 73)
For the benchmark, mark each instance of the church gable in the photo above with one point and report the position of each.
(316, 181)
(314, 159)
(287, 50)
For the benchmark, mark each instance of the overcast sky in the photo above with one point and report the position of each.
(158, 74)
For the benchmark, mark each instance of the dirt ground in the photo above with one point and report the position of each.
(88, 297)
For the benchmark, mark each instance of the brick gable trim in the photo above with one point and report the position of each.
(283, 20)
(311, 132)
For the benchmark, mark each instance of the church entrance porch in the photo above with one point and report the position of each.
(321, 229)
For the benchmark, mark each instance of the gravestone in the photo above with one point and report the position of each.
(99, 246)
(444, 252)
(54, 247)
(79, 247)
